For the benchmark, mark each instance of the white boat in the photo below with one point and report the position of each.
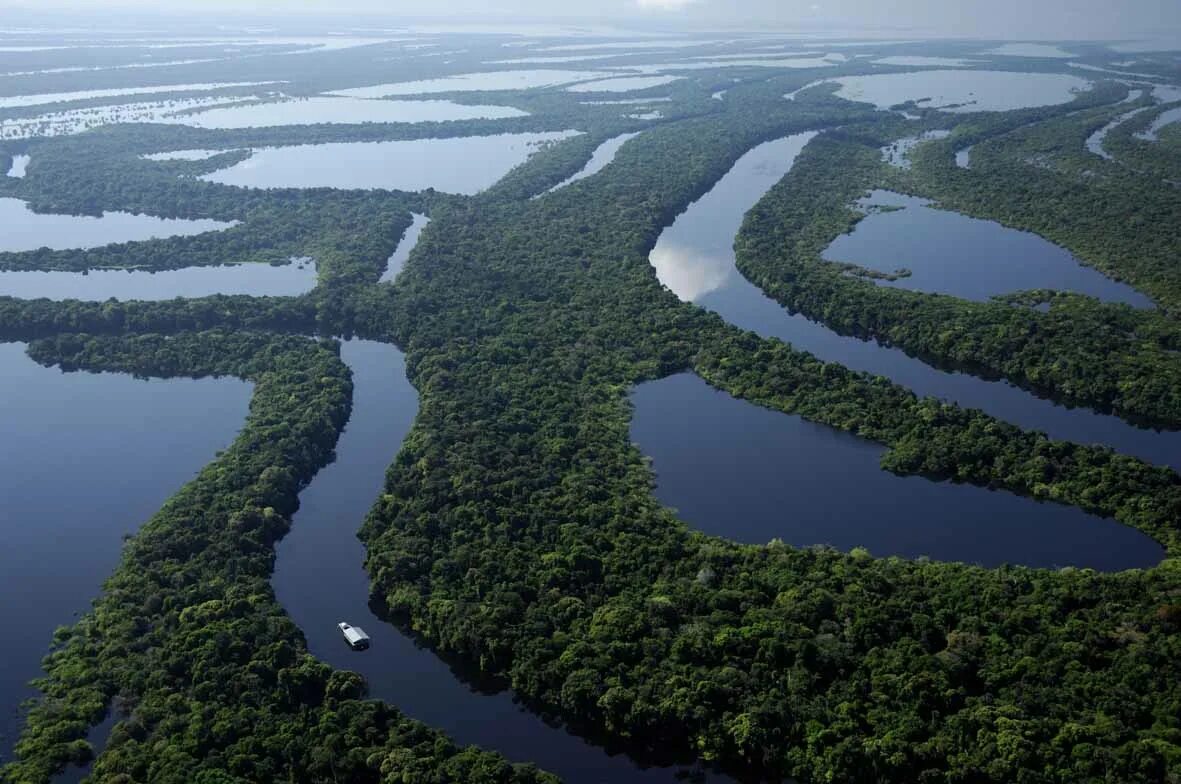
(355, 636)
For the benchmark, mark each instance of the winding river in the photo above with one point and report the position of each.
(320, 580)
(694, 257)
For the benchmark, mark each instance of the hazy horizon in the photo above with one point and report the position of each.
(984, 19)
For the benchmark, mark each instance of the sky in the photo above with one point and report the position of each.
(990, 19)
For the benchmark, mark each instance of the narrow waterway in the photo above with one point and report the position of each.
(695, 258)
(401, 253)
(320, 580)
(603, 155)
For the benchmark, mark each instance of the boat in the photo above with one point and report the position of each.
(355, 636)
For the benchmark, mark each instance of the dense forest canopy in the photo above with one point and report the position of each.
(517, 531)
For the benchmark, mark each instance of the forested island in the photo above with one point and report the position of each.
(517, 533)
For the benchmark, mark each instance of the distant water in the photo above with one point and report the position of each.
(182, 155)
(403, 165)
(898, 153)
(622, 84)
(1095, 140)
(401, 253)
(963, 91)
(603, 155)
(694, 257)
(260, 280)
(16, 101)
(20, 163)
(1164, 118)
(490, 80)
(966, 257)
(333, 109)
(26, 230)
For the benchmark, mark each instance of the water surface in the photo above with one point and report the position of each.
(260, 280)
(403, 165)
(974, 259)
(898, 153)
(73, 121)
(334, 109)
(401, 253)
(27, 230)
(1167, 117)
(963, 91)
(15, 101)
(492, 80)
(322, 550)
(600, 158)
(1095, 140)
(733, 469)
(87, 458)
(182, 155)
(20, 164)
(1029, 50)
(919, 61)
(623, 84)
(695, 258)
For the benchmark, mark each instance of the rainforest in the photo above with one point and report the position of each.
(684, 407)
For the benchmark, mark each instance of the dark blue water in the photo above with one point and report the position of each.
(320, 580)
(734, 469)
(949, 253)
(695, 259)
(86, 459)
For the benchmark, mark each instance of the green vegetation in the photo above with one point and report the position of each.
(1160, 158)
(188, 636)
(517, 529)
(1112, 358)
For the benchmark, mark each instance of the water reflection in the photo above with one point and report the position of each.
(402, 165)
(401, 253)
(623, 84)
(949, 253)
(16, 101)
(182, 155)
(690, 257)
(322, 550)
(898, 153)
(20, 164)
(261, 280)
(492, 80)
(1095, 140)
(26, 230)
(963, 91)
(733, 469)
(121, 446)
(1164, 118)
(332, 109)
(600, 158)
(691, 271)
